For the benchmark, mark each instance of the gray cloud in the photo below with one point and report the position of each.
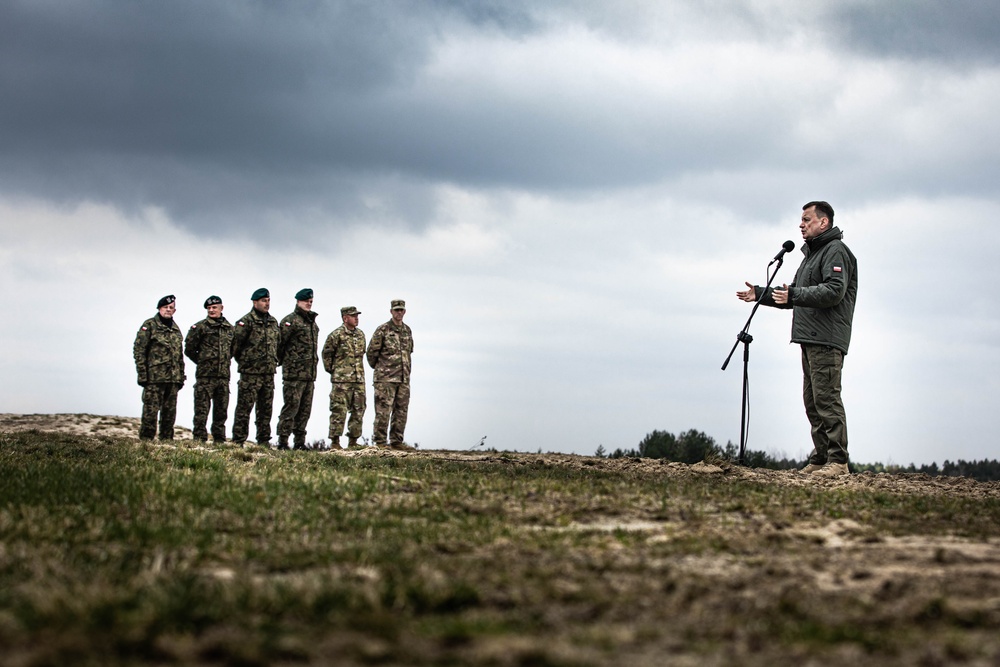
(960, 33)
(237, 115)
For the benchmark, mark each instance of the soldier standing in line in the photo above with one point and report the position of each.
(343, 359)
(255, 348)
(389, 355)
(209, 344)
(159, 363)
(297, 354)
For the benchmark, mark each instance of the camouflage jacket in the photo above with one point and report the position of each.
(158, 352)
(298, 344)
(389, 353)
(255, 343)
(344, 355)
(209, 344)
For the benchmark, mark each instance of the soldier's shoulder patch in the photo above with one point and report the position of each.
(145, 328)
(288, 324)
(240, 323)
(194, 326)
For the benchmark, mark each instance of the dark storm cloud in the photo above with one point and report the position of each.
(959, 33)
(230, 115)
(233, 111)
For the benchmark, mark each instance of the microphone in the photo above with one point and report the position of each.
(787, 246)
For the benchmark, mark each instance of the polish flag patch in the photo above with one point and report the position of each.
(837, 269)
(240, 323)
(145, 329)
(288, 324)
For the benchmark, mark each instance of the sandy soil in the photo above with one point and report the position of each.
(900, 579)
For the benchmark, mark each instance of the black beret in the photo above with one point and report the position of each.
(166, 301)
(262, 293)
(212, 300)
(304, 294)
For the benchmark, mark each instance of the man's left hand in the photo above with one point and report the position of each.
(780, 295)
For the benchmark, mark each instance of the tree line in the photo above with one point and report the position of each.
(693, 446)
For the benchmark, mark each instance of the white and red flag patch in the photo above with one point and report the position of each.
(837, 269)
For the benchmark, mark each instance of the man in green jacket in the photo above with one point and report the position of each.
(255, 349)
(298, 343)
(344, 360)
(209, 344)
(389, 354)
(159, 364)
(822, 298)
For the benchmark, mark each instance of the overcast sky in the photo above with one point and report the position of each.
(567, 194)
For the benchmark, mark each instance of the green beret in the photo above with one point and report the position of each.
(262, 293)
(349, 310)
(304, 294)
(398, 304)
(212, 301)
(166, 301)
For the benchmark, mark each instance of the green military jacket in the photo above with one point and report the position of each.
(823, 293)
(158, 352)
(209, 344)
(255, 343)
(389, 352)
(344, 355)
(298, 345)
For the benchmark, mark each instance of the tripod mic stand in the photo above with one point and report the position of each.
(745, 338)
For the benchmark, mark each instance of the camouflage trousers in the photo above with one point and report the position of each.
(294, 417)
(211, 393)
(254, 391)
(821, 370)
(347, 397)
(159, 400)
(392, 400)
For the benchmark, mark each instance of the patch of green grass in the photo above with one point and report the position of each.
(123, 551)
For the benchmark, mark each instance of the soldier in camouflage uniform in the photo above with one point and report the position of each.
(255, 348)
(297, 353)
(343, 359)
(159, 363)
(209, 344)
(389, 355)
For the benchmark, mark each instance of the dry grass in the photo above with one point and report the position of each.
(114, 551)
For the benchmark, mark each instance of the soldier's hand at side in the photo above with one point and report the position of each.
(749, 295)
(780, 294)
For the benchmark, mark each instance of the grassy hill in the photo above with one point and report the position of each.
(114, 551)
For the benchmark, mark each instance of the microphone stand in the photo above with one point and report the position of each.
(745, 338)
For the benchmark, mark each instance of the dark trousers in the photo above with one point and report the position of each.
(253, 392)
(211, 394)
(159, 400)
(295, 410)
(822, 367)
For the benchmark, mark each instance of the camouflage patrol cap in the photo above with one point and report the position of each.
(304, 294)
(212, 301)
(398, 304)
(262, 293)
(166, 301)
(349, 310)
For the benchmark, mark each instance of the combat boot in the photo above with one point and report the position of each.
(352, 443)
(282, 442)
(833, 470)
(335, 443)
(300, 443)
(811, 468)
